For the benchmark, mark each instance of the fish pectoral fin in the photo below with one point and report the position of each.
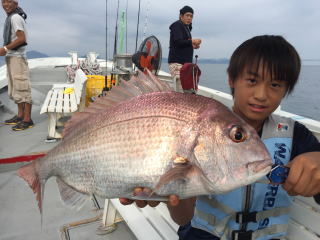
(180, 171)
(188, 140)
(70, 196)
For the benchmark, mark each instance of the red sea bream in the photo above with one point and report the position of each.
(143, 134)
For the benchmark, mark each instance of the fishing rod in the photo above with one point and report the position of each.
(106, 32)
(138, 26)
(116, 33)
(115, 48)
(146, 20)
(127, 27)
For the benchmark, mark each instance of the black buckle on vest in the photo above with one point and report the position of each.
(243, 217)
(241, 235)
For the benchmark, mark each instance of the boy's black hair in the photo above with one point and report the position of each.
(275, 54)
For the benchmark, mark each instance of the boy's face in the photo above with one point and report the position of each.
(256, 95)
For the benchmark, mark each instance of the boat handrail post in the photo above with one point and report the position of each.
(74, 58)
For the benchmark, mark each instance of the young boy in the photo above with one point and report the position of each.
(262, 71)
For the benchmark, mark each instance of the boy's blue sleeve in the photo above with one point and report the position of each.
(304, 141)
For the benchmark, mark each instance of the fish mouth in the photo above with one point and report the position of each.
(260, 165)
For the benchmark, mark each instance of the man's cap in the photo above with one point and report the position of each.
(186, 9)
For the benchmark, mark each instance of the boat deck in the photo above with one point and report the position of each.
(19, 213)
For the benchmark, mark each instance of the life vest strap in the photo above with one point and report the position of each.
(251, 235)
(243, 217)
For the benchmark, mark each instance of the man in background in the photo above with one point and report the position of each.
(14, 48)
(181, 44)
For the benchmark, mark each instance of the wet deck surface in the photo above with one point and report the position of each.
(19, 213)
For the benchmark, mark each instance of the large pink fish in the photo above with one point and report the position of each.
(142, 134)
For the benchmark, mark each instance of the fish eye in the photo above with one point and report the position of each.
(237, 134)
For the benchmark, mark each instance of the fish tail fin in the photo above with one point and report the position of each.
(30, 175)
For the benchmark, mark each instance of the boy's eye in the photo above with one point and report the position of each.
(251, 80)
(276, 85)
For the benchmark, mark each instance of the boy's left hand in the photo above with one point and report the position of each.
(304, 175)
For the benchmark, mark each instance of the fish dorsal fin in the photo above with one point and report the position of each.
(137, 85)
(70, 196)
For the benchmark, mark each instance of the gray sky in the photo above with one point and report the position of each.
(58, 26)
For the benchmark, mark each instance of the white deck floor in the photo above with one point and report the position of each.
(19, 214)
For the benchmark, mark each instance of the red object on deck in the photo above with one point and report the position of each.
(189, 76)
(25, 158)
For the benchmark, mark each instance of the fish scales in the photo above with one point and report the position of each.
(142, 143)
(171, 142)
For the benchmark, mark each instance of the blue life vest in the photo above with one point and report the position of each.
(267, 212)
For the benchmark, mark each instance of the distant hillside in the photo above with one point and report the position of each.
(207, 60)
(36, 54)
(30, 55)
(214, 60)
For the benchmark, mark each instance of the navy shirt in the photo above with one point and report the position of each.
(180, 49)
(303, 141)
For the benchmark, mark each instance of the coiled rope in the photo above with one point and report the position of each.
(88, 67)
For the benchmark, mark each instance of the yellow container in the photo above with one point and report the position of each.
(112, 82)
(109, 82)
(94, 87)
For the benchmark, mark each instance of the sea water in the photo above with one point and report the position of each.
(304, 100)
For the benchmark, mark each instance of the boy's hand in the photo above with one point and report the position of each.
(304, 175)
(181, 211)
(173, 200)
